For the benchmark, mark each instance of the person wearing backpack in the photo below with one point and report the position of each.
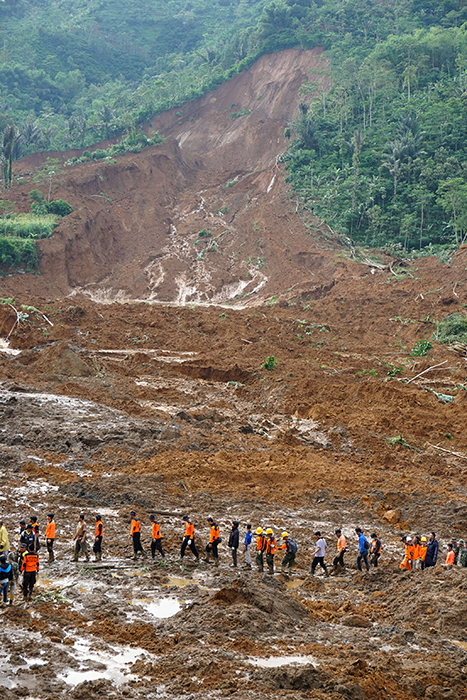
(363, 547)
(290, 552)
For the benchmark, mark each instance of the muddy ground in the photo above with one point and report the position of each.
(267, 378)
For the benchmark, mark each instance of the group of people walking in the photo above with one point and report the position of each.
(420, 552)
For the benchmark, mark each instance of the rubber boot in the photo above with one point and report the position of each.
(207, 558)
(87, 556)
(216, 561)
(51, 558)
(11, 599)
(271, 570)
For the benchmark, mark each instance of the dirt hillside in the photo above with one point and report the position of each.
(299, 404)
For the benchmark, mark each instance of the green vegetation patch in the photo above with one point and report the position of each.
(452, 330)
(28, 225)
(18, 252)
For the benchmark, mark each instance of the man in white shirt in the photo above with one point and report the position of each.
(320, 551)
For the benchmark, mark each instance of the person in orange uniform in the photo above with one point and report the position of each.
(270, 550)
(375, 549)
(260, 548)
(423, 546)
(29, 569)
(189, 538)
(417, 553)
(214, 541)
(451, 557)
(338, 562)
(135, 535)
(406, 563)
(50, 536)
(156, 543)
(98, 535)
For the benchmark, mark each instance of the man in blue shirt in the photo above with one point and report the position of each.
(363, 547)
(248, 538)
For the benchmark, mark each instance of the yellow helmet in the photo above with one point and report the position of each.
(424, 539)
(284, 535)
(259, 530)
(269, 531)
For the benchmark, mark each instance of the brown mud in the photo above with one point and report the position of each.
(163, 404)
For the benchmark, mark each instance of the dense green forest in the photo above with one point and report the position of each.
(381, 156)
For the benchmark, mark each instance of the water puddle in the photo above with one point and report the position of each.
(276, 661)
(115, 663)
(290, 585)
(179, 582)
(161, 608)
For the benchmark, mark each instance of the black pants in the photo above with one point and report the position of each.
(192, 547)
(374, 559)
(97, 546)
(320, 561)
(137, 542)
(212, 547)
(339, 560)
(29, 580)
(157, 545)
(234, 557)
(50, 549)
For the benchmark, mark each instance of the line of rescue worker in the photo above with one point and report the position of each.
(420, 552)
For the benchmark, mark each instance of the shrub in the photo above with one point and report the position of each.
(421, 348)
(203, 233)
(269, 363)
(452, 330)
(59, 207)
(98, 154)
(18, 251)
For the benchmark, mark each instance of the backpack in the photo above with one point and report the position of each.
(366, 544)
(293, 549)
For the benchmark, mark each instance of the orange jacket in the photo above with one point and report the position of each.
(422, 552)
(50, 531)
(30, 562)
(156, 531)
(410, 551)
(373, 547)
(260, 543)
(341, 543)
(417, 551)
(270, 545)
(135, 526)
(99, 529)
(214, 532)
(450, 558)
(189, 530)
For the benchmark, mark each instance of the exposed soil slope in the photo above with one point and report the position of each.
(169, 408)
(134, 232)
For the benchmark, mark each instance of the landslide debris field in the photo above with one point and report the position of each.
(168, 408)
